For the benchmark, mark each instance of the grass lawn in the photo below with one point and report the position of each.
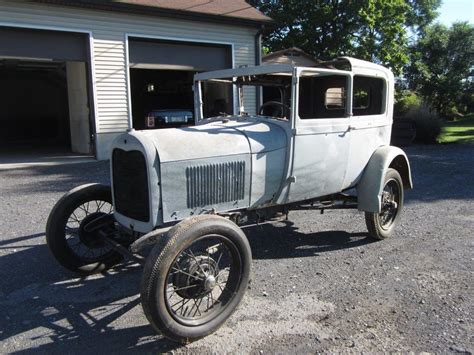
(461, 131)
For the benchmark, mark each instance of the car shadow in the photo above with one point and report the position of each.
(66, 312)
(284, 240)
(59, 312)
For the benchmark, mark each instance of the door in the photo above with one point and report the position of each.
(370, 121)
(321, 135)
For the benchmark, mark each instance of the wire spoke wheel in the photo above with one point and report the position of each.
(74, 246)
(202, 279)
(195, 277)
(85, 245)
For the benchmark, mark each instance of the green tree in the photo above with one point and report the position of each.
(421, 14)
(374, 30)
(441, 65)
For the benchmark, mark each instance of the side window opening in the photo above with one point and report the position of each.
(322, 96)
(217, 99)
(368, 96)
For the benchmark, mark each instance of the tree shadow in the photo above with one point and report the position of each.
(9, 241)
(58, 178)
(440, 172)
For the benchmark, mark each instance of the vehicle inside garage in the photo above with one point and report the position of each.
(154, 90)
(44, 92)
(161, 80)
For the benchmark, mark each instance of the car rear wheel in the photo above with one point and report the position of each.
(73, 246)
(195, 277)
(382, 225)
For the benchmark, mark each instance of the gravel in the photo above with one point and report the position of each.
(319, 284)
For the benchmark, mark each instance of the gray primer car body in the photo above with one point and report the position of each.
(251, 162)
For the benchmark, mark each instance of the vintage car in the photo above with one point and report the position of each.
(189, 192)
(171, 118)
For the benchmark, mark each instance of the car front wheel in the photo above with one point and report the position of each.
(73, 246)
(195, 277)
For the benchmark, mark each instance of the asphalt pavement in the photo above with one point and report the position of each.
(319, 284)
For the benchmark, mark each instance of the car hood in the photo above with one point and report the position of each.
(218, 137)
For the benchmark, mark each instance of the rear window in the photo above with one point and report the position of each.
(368, 96)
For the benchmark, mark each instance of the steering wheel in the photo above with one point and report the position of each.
(279, 110)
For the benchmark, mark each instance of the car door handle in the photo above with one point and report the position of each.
(351, 128)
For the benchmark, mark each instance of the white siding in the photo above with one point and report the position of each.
(111, 85)
(108, 31)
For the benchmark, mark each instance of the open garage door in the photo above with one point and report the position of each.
(41, 44)
(146, 54)
(44, 91)
(161, 78)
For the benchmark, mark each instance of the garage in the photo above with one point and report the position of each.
(74, 75)
(161, 81)
(44, 91)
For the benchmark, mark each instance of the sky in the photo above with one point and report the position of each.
(456, 10)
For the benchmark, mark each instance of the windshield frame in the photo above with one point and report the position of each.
(232, 76)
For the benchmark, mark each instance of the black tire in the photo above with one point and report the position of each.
(67, 243)
(161, 271)
(382, 225)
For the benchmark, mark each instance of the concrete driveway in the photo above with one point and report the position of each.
(319, 284)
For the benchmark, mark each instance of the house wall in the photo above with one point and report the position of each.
(109, 58)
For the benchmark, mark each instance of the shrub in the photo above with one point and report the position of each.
(452, 113)
(428, 124)
(406, 100)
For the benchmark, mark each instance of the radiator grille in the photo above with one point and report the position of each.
(215, 183)
(130, 184)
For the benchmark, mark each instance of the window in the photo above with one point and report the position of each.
(217, 99)
(368, 96)
(322, 96)
(334, 98)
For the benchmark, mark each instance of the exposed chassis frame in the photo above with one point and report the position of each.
(114, 236)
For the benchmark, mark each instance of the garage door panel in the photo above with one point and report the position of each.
(174, 56)
(42, 44)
